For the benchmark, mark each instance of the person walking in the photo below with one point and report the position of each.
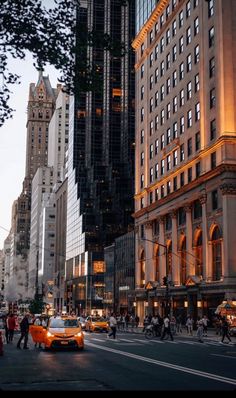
(225, 329)
(113, 325)
(167, 329)
(24, 329)
(200, 329)
(11, 325)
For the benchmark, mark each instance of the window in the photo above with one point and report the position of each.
(162, 191)
(196, 54)
(168, 136)
(174, 53)
(156, 146)
(188, 9)
(174, 79)
(168, 36)
(142, 93)
(181, 125)
(151, 105)
(196, 26)
(197, 141)
(213, 129)
(168, 61)
(181, 98)
(162, 117)
(181, 19)
(162, 96)
(197, 209)
(195, 3)
(151, 82)
(156, 194)
(181, 71)
(214, 200)
(183, 265)
(156, 122)
(151, 151)
(142, 206)
(197, 112)
(199, 256)
(162, 166)
(175, 183)
(142, 71)
(161, 20)
(156, 75)
(174, 28)
(168, 111)
(162, 141)
(189, 63)
(196, 83)
(156, 52)
(211, 37)
(156, 171)
(142, 49)
(156, 98)
(189, 174)
(175, 104)
(210, 8)
(182, 152)
(151, 36)
(167, 12)
(181, 45)
(216, 255)
(168, 163)
(175, 130)
(175, 157)
(142, 137)
(174, 4)
(142, 115)
(162, 45)
(142, 159)
(151, 128)
(198, 169)
(168, 86)
(190, 149)
(188, 36)
(212, 98)
(189, 90)
(162, 68)
(168, 187)
(151, 175)
(156, 28)
(168, 222)
(212, 67)
(142, 181)
(181, 216)
(151, 59)
(189, 118)
(213, 160)
(150, 197)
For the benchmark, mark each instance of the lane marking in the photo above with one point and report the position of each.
(225, 356)
(167, 365)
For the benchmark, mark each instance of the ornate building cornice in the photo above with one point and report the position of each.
(228, 189)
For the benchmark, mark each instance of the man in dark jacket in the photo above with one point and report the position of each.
(24, 329)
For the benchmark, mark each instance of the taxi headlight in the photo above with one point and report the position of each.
(50, 334)
(78, 334)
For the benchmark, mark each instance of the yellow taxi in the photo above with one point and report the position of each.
(96, 324)
(60, 332)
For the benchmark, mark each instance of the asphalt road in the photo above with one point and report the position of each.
(129, 363)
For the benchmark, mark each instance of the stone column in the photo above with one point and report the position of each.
(162, 249)
(206, 265)
(189, 241)
(137, 262)
(229, 224)
(149, 246)
(175, 259)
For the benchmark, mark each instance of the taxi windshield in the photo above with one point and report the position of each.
(63, 323)
(98, 319)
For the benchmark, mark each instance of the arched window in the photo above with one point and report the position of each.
(216, 255)
(198, 254)
(157, 266)
(169, 260)
(183, 268)
(142, 269)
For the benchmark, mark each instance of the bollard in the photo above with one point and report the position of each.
(1, 344)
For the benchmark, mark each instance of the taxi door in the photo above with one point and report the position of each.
(38, 333)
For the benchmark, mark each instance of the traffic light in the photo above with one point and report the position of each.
(165, 280)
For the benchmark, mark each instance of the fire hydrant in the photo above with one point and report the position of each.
(1, 344)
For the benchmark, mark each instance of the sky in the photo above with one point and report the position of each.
(13, 139)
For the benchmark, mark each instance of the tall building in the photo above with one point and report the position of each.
(100, 157)
(185, 184)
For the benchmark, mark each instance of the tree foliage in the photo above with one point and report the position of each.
(37, 305)
(50, 36)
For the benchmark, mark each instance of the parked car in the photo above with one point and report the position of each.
(96, 324)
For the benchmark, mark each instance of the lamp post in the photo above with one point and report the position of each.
(165, 278)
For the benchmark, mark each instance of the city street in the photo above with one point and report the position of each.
(129, 363)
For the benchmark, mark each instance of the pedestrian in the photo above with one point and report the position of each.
(24, 329)
(205, 322)
(113, 325)
(38, 322)
(189, 325)
(167, 329)
(6, 329)
(11, 324)
(136, 321)
(225, 329)
(199, 329)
